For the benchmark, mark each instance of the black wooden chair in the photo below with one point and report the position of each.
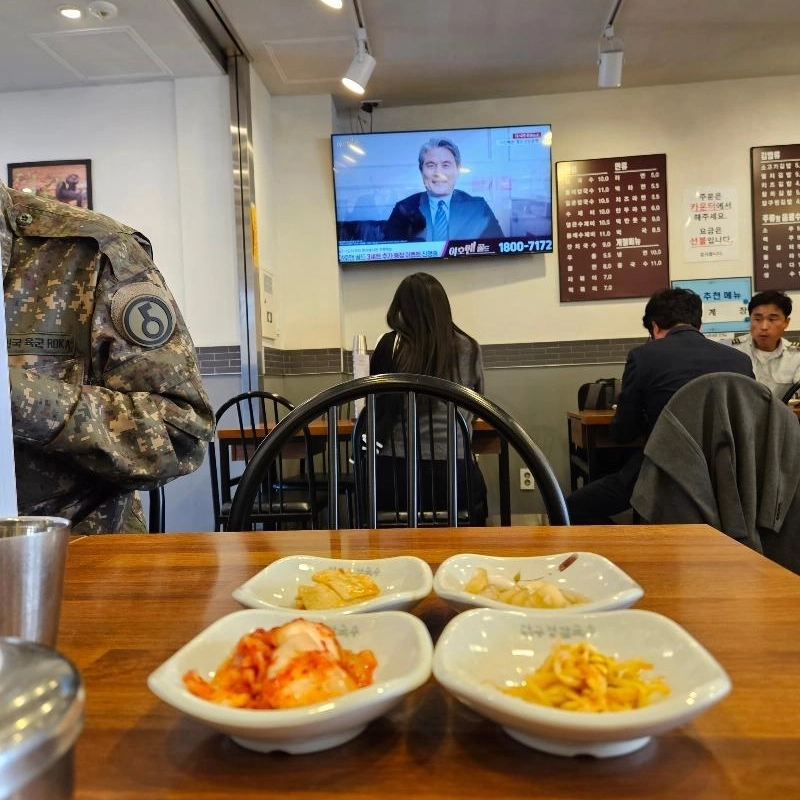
(156, 514)
(346, 482)
(791, 392)
(328, 401)
(433, 476)
(277, 501)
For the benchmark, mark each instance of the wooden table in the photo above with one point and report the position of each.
(132, 600)
(592, 452)
(485, 438)
(485, 441)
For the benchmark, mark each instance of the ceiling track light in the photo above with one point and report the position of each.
(610, 56)
(361, 67)
(609, 52)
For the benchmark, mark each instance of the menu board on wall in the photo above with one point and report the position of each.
(776, 216)
(612, 227)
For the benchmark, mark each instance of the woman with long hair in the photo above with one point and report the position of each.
(424, 340)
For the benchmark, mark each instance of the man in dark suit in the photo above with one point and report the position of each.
(441, 212)
(676, 353)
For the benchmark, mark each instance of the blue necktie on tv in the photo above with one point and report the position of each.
(440, 223)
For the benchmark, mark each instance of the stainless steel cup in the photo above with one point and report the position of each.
(41, 716)
(33, 554)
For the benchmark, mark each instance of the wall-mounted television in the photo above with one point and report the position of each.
(443, 193)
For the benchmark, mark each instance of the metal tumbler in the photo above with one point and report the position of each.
(33, 555)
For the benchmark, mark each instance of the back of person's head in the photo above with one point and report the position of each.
(771, 297)
(435, 142)
(420, 313)
(671, 307)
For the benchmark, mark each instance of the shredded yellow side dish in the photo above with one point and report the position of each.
(578, 677)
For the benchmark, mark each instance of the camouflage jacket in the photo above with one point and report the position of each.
(106, 395)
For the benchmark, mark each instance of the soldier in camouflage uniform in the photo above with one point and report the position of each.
(106, 395)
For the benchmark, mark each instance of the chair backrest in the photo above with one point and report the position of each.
(327, 402)
(726, 451)
(790, 392)
(253, 414)
(444, 486)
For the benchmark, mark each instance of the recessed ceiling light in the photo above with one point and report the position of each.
(70, 12)
(333, 3)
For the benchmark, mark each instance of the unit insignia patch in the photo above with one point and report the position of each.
(143, 314)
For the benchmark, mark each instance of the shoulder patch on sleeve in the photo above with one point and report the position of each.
(143, 314)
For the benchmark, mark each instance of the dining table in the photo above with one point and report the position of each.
(592, 451)
(486, 441)
(131, 600)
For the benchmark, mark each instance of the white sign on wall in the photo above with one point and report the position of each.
(711, 232)
(724, 302)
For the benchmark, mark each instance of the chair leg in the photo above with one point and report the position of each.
(157, 514)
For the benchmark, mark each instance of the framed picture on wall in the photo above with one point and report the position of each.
(69, 181)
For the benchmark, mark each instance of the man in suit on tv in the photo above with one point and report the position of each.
(676, 353)
(441, 212)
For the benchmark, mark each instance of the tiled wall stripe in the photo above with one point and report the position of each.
(332, 360)
(220, 360)
(495, 356)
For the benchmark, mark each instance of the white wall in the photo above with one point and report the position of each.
(161, 162)
(206, 221)
(265, 197)
(304, 254)
(705, 130)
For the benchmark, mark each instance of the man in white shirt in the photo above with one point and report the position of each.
(776, 361)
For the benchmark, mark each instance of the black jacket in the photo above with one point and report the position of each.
(470, 218)
(657, 369)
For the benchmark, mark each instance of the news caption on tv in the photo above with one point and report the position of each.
(453, 248)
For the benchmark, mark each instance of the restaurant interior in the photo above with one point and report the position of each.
(169, 137)
(212, 126)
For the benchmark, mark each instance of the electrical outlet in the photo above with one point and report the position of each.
(526, 483)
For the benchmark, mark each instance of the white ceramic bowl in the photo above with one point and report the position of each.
(400, 642)
(484, 649)
(592, 575)
(403, 581)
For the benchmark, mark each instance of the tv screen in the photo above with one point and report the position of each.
(443, 193)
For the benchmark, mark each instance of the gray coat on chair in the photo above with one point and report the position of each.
(726, 452)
